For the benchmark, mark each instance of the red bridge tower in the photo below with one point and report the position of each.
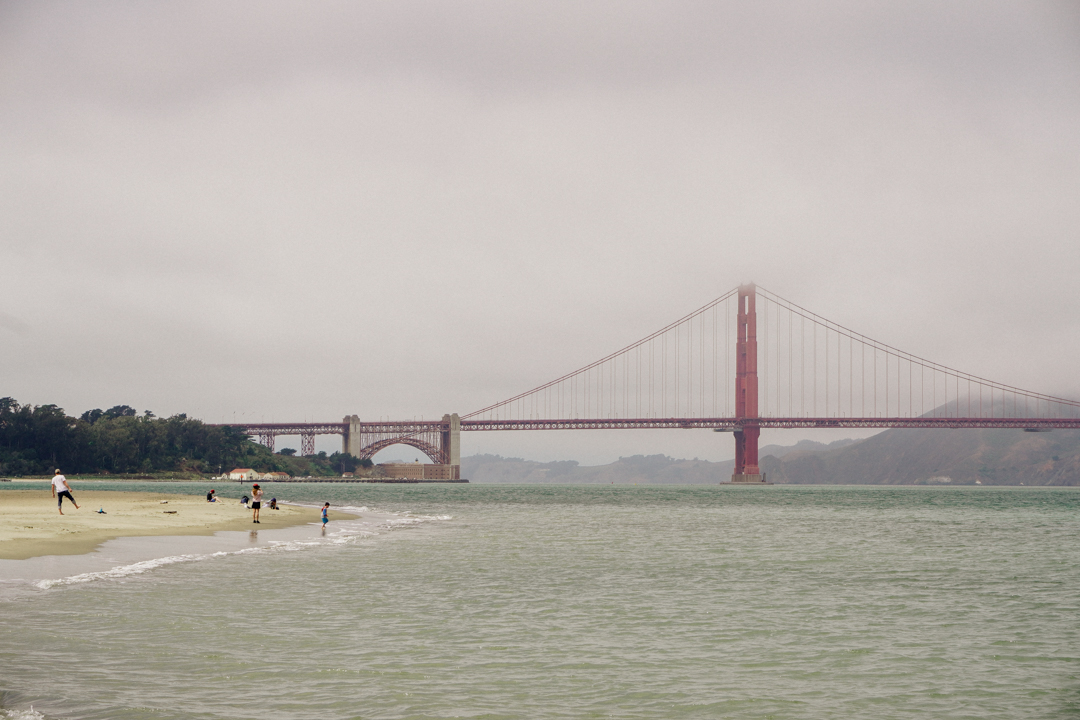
(746, 391)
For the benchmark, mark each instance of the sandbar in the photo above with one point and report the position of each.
(30, 525)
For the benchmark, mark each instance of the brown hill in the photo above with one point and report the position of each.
(959, 457)
(893, 457)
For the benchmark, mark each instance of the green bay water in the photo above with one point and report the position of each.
(491, 601)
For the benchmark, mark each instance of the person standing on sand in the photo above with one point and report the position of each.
(61, 490)
(256, 502)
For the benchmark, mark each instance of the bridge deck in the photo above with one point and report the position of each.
(413, 426)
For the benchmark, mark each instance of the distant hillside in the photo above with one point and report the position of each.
(804, 446)
(656, 469)
(893, 457)
(959, 457)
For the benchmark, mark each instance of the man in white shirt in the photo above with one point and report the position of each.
(61, 490)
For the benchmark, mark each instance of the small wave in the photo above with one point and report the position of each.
(144, 566)
(30, 714)
(342, 533)
(122, 571)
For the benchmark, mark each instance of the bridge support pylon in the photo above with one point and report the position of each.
(747, 469)
(451, 443)
(352, 441)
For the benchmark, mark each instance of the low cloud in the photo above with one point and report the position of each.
(13, 324)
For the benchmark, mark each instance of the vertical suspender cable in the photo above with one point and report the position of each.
(763, 366)
(862, 379)
(791, 409)
(779, 359)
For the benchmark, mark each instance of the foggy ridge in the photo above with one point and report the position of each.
(893, 457)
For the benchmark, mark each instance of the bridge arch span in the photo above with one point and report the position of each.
(434, 454)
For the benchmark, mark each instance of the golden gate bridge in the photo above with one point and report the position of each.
(748, 360)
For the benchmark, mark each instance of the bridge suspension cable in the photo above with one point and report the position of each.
(806, 367)
(681, 370)
(810, 366)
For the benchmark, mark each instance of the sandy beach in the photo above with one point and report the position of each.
(30, 525)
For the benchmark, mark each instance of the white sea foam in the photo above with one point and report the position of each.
(341, 532)
(119, 572)
(30, 714)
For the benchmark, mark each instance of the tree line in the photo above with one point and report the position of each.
(34, 440)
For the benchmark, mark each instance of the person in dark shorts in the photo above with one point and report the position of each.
(256, 502)
(324, 518)
(61, 490)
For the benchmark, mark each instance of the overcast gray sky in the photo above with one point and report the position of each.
(281, 211)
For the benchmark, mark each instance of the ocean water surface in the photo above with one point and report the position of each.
(484, 601)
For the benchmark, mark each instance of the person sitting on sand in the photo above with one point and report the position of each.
(256, 502)
(61, 490)
(210, 497)
(273, 503)
(244, 501)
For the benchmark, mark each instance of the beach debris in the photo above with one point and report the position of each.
(164, 502)
(169, 512)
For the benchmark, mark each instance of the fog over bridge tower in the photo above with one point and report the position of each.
(746, 390)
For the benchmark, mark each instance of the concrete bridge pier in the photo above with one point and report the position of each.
(352, 440)
(451, 439)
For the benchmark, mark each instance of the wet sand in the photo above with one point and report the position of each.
(30, 525)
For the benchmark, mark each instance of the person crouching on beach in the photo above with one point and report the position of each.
(256, 502)
(61, 490)
(210, 497)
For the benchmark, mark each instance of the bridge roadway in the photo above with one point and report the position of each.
(406, 428)
(440, 439)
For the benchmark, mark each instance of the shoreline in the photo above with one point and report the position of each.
(219, 481)
(31, 527)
